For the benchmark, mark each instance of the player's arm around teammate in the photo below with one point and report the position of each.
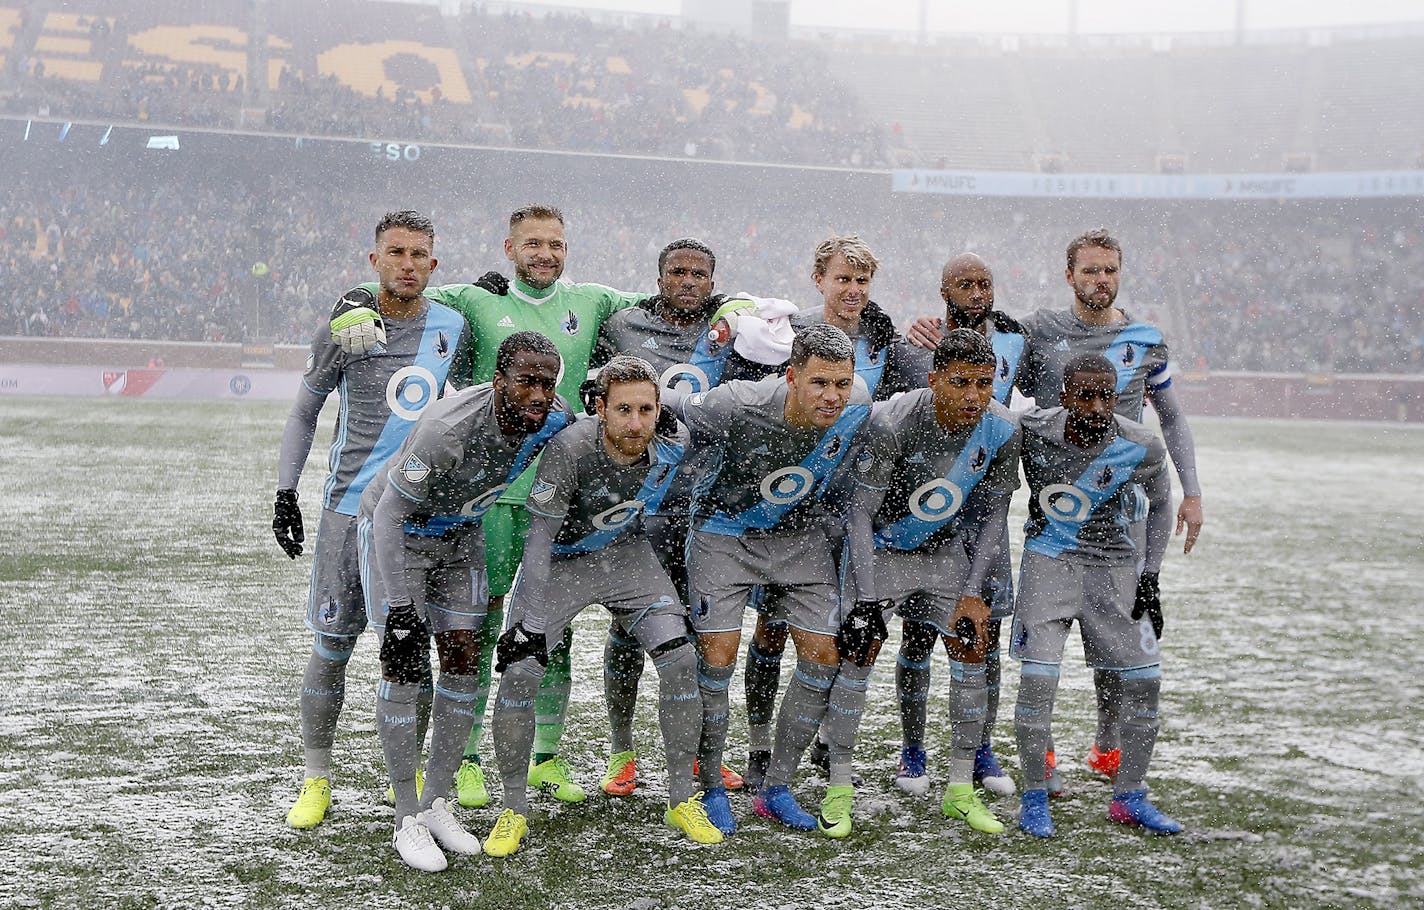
(585, 546)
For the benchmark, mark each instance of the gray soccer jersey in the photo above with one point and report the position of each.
(926, 478)
(1136, 349)
(381, 397)
(451, 469)
(594, 497)
(1081, 499)
(762, 473)
(686, 360)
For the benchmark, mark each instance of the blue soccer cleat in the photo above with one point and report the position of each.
(913, 776)
(989, 775)
(1134, 808)
(719, 810)
(1033, 814)
(779, 803)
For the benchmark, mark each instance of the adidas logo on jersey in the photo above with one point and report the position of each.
(1062, 345)
(650, 344)
(760, 450)
(505, 323)
(917, 458)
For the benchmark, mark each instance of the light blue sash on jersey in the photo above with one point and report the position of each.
(776, 501)
(1108, 472)
(1008, 349)
(939, 505)
(649, 498)
(438, 320)
(869, 364)
(1128, 348)
(533, 444)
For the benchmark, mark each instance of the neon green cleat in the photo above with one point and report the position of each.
(509, 831)
(834, 820)
(311, 805)
(962, 802)
(419, 788)
(470, 785)
(555, 777)
(621, 778)
(691, 819)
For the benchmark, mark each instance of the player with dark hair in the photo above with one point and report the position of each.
(928, 522)
(1083, 463)
(422, 348)
(594, 482)
(422, 548)
(771, 448)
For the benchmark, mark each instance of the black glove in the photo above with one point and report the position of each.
(861, 629)
(586, 396)
(667, 421)
(518, 643)
(1149, 602)
(493, 282)
(287, 523)
(354, 299)
(404, 645)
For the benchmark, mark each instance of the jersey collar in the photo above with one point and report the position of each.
(533, 295)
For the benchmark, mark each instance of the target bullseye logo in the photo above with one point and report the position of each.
(1065, 502)
(787, 485)
(936, 500)
(619, 516)
(481, 503)
(410, 389)
(685, 378)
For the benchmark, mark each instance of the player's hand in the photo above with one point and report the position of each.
(725, 315)
(518, 643)
(404, 644)
(969, 640)
(493, 282)
(926, 332)
(667, 422)
(356, 324)
(1189, 516)
(287, 523)
(861, 632)
(1149, 602)
(586, 395)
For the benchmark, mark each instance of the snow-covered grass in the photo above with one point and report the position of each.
(152, 643)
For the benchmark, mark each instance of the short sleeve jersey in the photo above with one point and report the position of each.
(383, 393)
(932, 477)
(597, 498)
(1136, 350)
(1080, 499)
(761, 472)
(456, 462)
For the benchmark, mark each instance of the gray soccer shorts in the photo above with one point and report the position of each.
(795, 570)
(450, 569)
(1054, 592)
(925, 586)
(625, 578)
(335, 604)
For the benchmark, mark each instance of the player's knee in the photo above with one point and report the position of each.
(459, 651)
(333, 648)
(770, 636)
(917, 641)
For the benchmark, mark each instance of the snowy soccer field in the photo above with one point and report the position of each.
(153, 645)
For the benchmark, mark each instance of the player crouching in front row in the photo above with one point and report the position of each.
(1083, 465)
(586, 545)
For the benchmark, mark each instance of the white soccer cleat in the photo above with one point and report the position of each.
(447, 830)
(417, 848)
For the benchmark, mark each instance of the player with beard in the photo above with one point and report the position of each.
(422, 551)
(382, 391)
(1083, 463)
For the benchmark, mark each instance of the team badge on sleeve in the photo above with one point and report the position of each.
(414, 469)
(864, 462)
(542, 492)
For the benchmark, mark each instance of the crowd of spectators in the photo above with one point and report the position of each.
(1270, 287)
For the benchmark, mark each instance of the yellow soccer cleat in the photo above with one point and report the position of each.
(311, 805)
(691, 819)
(962, 802)
(509, 831)
(555, 777)
(470, 785)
